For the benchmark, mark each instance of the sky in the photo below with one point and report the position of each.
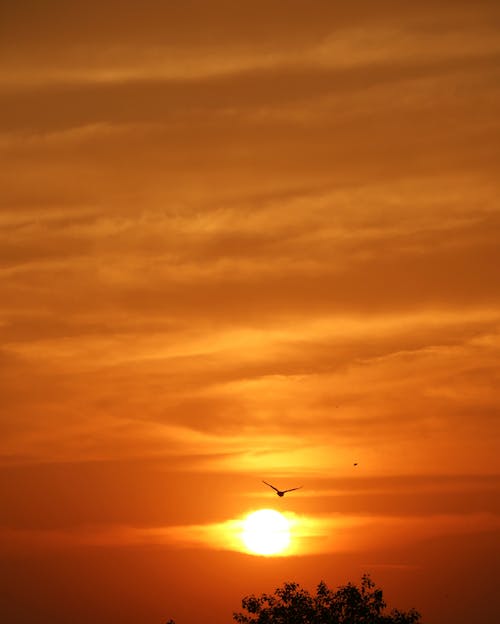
(246, 241)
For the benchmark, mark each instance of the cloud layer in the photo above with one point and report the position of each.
(238, 245)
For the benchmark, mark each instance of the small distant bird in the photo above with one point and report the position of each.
(281, 492)
(355, 464)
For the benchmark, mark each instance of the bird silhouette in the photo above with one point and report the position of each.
(281, 492)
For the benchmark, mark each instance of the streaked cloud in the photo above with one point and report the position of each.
(309, 535)
(235, 248)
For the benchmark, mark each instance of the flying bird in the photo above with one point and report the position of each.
(281, 492)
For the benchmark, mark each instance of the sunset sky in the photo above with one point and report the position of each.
(244, 241)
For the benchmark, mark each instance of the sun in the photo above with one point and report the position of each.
(266, 532)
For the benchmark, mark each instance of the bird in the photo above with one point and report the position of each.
(281, 492)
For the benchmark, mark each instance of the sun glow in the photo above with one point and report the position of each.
(266, 532)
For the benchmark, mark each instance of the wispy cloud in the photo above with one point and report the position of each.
(239, 245)
(283, 262)
(308, 535)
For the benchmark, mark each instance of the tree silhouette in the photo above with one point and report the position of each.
(349, 604)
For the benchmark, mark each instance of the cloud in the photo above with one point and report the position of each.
(309, 535)
(200, 261)
(234, 249)
(234, 43)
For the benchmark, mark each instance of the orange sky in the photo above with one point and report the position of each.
(244, 241)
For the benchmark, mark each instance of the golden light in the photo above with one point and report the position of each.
(266, 532)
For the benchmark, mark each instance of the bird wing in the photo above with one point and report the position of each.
(271, 486)
(292, 489)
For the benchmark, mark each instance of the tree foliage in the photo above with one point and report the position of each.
(349, 604)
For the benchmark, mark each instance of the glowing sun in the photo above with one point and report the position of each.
(266, 532)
